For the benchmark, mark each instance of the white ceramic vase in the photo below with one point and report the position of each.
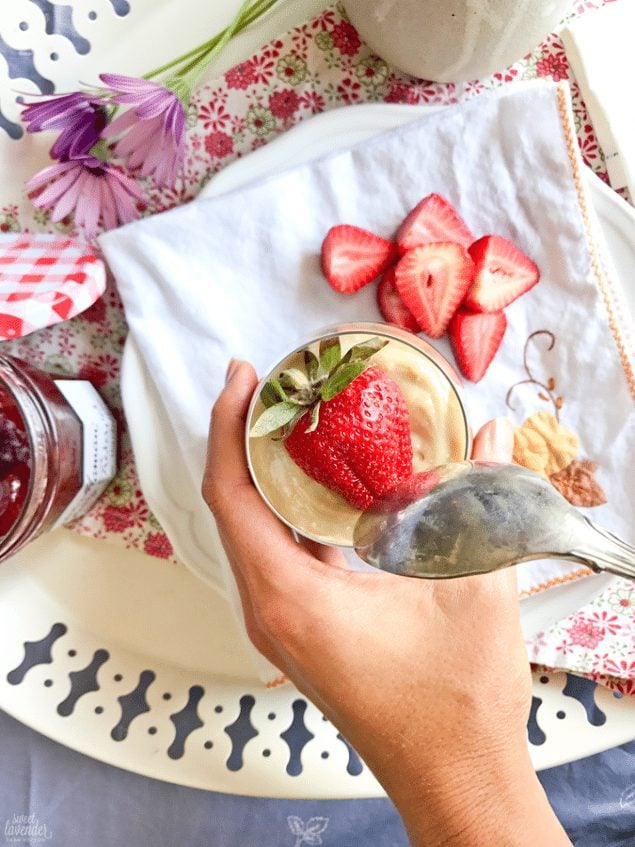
(454, 40)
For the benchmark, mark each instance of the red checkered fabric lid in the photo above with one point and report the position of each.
(45, 279)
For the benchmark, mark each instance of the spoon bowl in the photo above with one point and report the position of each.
(473, 517)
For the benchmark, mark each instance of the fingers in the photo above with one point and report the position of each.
(258, 545)
(227, 486)
(226, 461)
(329, 555)
(494, 442)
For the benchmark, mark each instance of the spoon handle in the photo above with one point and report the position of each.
(604, 551)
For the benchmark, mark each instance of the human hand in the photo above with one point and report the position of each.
(429, 680)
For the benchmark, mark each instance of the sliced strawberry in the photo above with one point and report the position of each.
(475, 338)
(433, 219)
(353, 257)
(391, 305)
(501, 274)
(432, 281)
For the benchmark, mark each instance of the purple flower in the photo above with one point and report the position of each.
(79, 116)
(94, 190)
(154, 127)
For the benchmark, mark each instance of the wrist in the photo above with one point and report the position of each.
(475, 800)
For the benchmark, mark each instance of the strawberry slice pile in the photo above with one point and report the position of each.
(436, 277)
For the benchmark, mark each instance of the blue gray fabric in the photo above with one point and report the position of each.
(49, 790)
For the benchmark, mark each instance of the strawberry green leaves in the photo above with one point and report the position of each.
(330, 354)
(276, 417)
(296, 391)
(340, 379)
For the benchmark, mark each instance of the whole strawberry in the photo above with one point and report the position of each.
(350, 430)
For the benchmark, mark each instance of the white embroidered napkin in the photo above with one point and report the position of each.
(599, 46)
(239, 276)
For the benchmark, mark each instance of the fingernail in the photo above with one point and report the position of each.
(232, 367)
(502, 438)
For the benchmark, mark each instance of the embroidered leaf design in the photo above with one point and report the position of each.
(295, 824)
(544, 445)
(315, 826)
(578, 485)
(628, 797)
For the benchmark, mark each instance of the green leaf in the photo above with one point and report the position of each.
(294, 378)
(330, 355)
(362, 352)
(341, 379)
(288, 428)
(274, 417)
(312, 364)
(268, 395)
(315, 417)
(275, 383)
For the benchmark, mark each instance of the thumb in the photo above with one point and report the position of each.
(226, 459)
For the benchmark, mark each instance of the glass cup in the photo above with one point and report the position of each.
(440, 431)
(62, 454)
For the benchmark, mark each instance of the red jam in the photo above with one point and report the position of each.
(57, 451)
(15, 462)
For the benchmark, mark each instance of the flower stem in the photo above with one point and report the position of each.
(195, 61)
(196, 51)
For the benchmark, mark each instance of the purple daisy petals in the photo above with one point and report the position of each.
(79, 137)
(54, 190)
(67, 201)
(155, 105)
(39, 115)
(129, 84)
(79, 117)
(46, 174)
(152, 130)
(126, 210)
(108, 207)
(92, 199)
(142, 134)
(120, 124)
(91, 189)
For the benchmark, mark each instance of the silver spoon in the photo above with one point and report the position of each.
(481, 516)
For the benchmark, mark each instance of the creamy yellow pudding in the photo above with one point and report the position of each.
(438, 429)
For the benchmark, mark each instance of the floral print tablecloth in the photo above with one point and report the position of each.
(320, 65)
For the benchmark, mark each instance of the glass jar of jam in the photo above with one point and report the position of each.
(57, 451)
